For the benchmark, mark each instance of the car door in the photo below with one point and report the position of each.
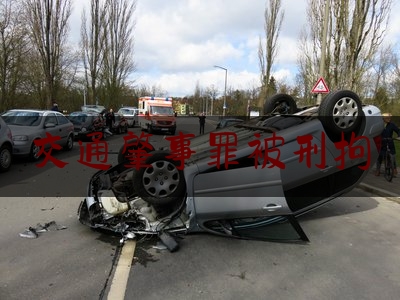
(244, 202)
(65, 127)
(240, 190)
(52, 126)
(309, 165)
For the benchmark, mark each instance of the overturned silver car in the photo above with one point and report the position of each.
(284, 164)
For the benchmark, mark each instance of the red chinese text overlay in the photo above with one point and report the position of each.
(137, 149)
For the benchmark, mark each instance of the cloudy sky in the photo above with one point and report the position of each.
(178, 42)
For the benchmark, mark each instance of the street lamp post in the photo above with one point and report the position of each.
(226, 77)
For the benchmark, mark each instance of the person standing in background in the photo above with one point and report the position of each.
(55, 106)
(202, 121)
(110, 119)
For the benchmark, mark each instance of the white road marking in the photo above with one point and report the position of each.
(121, 276)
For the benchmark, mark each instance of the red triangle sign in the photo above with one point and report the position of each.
(320, 87)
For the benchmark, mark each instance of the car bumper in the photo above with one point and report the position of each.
(163, 128)
(22, 148)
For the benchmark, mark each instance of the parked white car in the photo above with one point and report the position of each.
(130, 114)
(28, 125)
(6, 146)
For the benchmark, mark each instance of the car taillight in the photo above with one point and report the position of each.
(378, 142)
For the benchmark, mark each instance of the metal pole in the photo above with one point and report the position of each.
(226, 78)
(323, 46)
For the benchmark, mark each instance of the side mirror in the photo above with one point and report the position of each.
(146, 113)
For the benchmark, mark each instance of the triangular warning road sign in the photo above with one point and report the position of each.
(320, 87)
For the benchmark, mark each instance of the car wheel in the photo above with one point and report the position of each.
(34, 154)
(70, 143)
(281, 104)
(341, 112)
(172, 132)
(161, 183)
(5, 158)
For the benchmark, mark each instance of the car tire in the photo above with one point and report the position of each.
(33, 154)
(162, 183)
(341, 112)
(5, 158)
(280, 103)
(70, 143)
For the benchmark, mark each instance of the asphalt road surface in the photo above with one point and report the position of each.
(353, 251)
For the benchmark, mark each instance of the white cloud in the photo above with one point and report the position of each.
(177, 42)
(180, 42)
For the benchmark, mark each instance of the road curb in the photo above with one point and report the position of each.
(380, 192)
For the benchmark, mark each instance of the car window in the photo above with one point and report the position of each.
(51, 118)
(22, 118)
(62, 119)
(126, 111)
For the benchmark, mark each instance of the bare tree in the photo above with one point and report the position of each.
(118, 60)
(395, 83)
(355, 33)
(92, 41)
(48, 24)
(12, 51)
(273, 17)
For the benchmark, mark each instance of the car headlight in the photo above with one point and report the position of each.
(83, 129)
(20, 138)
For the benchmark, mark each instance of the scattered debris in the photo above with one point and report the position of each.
(33, 232)
(29, 233)
(160, 246)
(44, 209)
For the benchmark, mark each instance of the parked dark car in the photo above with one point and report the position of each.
(228, 122)
(120, 125)
(93, 108)
(28, 125)
(279, 167)
(6, 146)
(86, 122)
